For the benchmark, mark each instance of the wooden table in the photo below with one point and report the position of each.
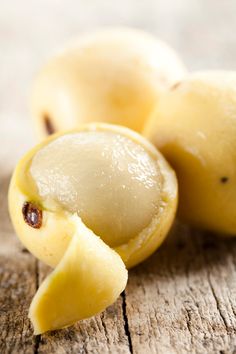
(182, 299)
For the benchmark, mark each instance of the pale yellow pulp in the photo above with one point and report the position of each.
(108, 179)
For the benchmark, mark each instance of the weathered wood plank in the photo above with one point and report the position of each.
(17, 282)
(188, 290)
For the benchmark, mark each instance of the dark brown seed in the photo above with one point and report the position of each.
(32, 214)
(48, 125)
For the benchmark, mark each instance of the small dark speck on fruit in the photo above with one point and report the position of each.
(176, 85)
(224, 179)
(48, 125)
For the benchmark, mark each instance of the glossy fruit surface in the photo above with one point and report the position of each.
(194, 127)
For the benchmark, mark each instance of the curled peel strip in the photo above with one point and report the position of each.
(89, 277)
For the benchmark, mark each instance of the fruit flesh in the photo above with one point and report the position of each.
(89, 277)
(194, 127)
(108, 179)
(114, 76)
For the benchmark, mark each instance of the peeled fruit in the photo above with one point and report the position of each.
(113, 76)
(194, 126)
(90, 202)
(115, 180)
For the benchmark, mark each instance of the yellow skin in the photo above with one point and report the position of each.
(89, 277)
(113, 76)
(194, 126)
(62, 241)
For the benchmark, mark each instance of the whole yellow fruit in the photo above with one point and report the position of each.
(90, 202)
(194, 126)
(113, 76)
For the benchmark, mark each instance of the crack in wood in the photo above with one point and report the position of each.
(104, 327)
(188, 323)
(126, 323)
(215, 295)
(37, 339)
(217, 302)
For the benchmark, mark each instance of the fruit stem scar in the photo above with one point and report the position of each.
(224, 179)
(176, 85)
(48, 125)
(33, 216)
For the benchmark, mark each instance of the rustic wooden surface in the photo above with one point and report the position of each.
(182, 299)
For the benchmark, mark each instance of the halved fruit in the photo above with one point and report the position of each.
(102, 178)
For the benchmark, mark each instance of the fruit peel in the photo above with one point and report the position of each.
(89, 277)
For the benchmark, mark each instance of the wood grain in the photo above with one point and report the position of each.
(17, 279)
(182, 299)
(188, 290)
